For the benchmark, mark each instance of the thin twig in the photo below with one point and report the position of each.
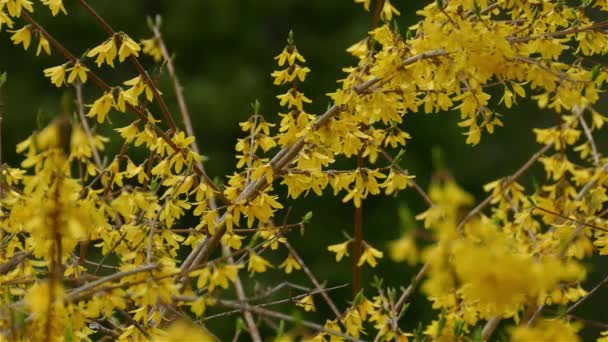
(284, 317)
(313, 279)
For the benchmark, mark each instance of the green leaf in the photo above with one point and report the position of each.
(3, 77)
(306, 218)
(358, 298)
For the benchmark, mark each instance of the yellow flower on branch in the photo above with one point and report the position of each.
(43, 44)
(128, 47)
(290, 264)
(388, 10)
(307, 303)
(341, 249)
(15, 6)
(257, 264)
(22, 36)
(106, 51)
(56, 74)
(369, 255)
(151, 47)
(5, 19)
(101, 107)
(55, 6)
(80, 71)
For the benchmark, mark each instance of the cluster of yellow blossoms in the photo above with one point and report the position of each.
(94, 247)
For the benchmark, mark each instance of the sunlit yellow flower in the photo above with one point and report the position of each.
(369, 255)
(289, 54)
(55, 6)
(257, 264)
(546, 330)
(101, 107)
(290, 264)
(128, 47)
(15, 6)
(43, 44)
(152, 48)
(365, 3)
(80, 71)
(56, 74)
(106, 51)
(307, 303)
(22, 36)
(341, 249)
(388, 10)
(5, 19)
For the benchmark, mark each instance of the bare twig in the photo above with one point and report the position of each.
(284, 317)
(313, 280)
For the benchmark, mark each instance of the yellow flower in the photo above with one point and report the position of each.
(152, 48)
(128, 47)
(106, 51)
(22, 36)
(289, 54)
(5, 19)
(55, 6)
(257, 264)
(43, 44)
(290, 264)
(307, 303)
(365, 3)
(101, 107)
(546, 330)
(341, 249)
(15, 7)
(369, 255)
(388, 10)
(404, 249)
(80, 71)
(56, 74)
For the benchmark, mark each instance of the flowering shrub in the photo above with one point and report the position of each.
(93, 244)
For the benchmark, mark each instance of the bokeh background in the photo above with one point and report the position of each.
(224, 53)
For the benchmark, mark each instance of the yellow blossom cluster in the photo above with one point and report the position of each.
(96, 244)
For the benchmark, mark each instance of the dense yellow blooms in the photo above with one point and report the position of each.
(93, 243)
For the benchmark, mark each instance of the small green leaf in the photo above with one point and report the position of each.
(306, 218)
(358, 298)
(3, 77)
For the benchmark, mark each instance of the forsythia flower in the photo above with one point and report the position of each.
(257, 264)
(128, 47)
(365, 3)
(404, 249)
(22, 36)
(101, 107)
(43, 44)
(369, 255)
(341, 249)
(80, 71)
(15, 7)
(106, 51)
(290, 264)
(56, 74)
(55, 6)
(546, 330)
(388, 10)
(152, 48)
(307, 303)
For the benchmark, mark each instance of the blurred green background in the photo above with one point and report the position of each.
(224, 56)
